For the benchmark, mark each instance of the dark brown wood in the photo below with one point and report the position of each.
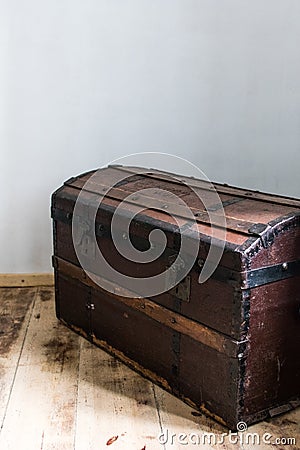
(148, 345)
(201, 216)
(272, 373)
(164, 316)
(221, 188)
(228, 346)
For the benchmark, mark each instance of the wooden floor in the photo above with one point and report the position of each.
(57, 391)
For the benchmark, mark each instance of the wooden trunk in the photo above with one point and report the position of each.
(229, 346)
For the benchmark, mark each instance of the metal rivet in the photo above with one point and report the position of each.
(200, 263)
(125, 236)
(142, 306)
(240, 355)
(173, 320)
(90, 306)
(165, 206)
(284, 266)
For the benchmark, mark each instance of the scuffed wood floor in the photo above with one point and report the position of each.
(57, 391)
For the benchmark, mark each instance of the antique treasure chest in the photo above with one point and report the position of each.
(194, 285)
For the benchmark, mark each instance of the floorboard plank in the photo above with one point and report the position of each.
(114, 404)
(16, 307)
(42, 408)
(177, 418)
(181, 423)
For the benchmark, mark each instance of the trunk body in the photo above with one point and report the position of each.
(229, 346)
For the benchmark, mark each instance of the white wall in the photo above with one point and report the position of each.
(83, 82)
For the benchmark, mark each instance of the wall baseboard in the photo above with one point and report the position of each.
(26, 279)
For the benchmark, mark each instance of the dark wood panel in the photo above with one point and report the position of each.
(286, 248)
(211, 303)
(216, 304)
(71, 303)
(139, 337)
(209, 378)
(195, 372)
(170, 319)
(273, 364)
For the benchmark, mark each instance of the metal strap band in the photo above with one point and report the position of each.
(271, 274)
(257, 277)
(225, 203)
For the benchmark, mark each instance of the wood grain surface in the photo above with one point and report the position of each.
(58, 391)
